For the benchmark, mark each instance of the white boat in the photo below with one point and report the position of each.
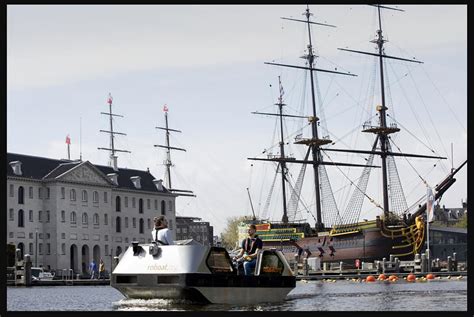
(38, 274)
(199, 273)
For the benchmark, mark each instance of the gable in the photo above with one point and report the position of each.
(84, 173)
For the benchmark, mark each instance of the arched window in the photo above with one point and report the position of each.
(63, 216)
(72, 194)
(95, 197)
(96, 219)
(148, 223)
(141, 225)
(73, 217)
(170, 205)
(21, 218)
(117, 203)
(163, 207)
(118, 225)
(84, 218)
(84, 195)
(21, 195)
(140, 206)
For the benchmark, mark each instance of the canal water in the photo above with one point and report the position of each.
(342, 295)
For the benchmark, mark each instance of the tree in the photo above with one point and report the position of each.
(230, 236)
(462, 223)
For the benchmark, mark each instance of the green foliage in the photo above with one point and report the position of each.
(462, 222)
(230, 236)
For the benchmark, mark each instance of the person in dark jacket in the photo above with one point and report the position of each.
(249, 250)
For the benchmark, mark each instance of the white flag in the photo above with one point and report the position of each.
(430, 204)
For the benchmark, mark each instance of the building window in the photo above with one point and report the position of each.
(106, 219)
(12, 214)
(163, 207)
(117, 203)
(140, 206)
(170, 224)
(30, 191)
(48, 248)
(63, 235)
(73, 217)
(31, 235)
(12, 189)
(40, 216)
(95, 197)
(170, 206)
(156, 204)
(105, 197)
(133, 202)
(63, 248)
(21, 218)
(84, 195)
(47, 216)
(40, 193)
(106, 238)
(96, 219)
(84, 218)
(126, 202)
(118, 225)
(63, 193)
(30, 248)
(134, 222)
(72, 195)
(141, 226)
(126, 222)
(21, 195)
(63, 216)
(48, 192)
(40, 248)
(30, 216)
(148, 223)
(148, 204)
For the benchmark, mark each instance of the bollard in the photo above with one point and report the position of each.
(27, 270)
(325, 266)
(423, 263)
(392, 258)
(340, 268)
(296, 264)
(417, 263)
(397, 265)
(384, 264)
(450, 264)
(378, 265)
(305, 265)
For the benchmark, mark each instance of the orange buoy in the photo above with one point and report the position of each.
(382, 277)
(370, 278)
(393, 277)
(430, 276)
(411, 278)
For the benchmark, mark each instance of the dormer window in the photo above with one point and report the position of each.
(136, 181)
(16, 166)
(159, 184)
(113, 178)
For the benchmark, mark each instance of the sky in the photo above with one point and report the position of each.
(206, 63)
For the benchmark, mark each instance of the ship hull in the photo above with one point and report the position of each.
(366, 245)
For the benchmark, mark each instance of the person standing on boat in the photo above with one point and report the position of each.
(101, 269)
(160, 232)
(249, 250)
(92, 269)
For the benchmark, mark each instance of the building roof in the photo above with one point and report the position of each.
(35, 167)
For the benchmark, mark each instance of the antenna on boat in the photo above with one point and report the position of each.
(251, 205)
(168, 163)
(80, 138)
(112, 149)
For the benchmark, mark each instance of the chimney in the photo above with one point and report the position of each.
(113, 178)
(159, 184)
(113, 162)
(136, 181)
(16, 166)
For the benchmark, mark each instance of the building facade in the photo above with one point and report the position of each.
(67, 213)
(194, 228)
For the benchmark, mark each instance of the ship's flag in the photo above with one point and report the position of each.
(430, 204)
(68, 140)
(165, 108)
(109, 99)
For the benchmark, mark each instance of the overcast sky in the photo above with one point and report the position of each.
(207, 64)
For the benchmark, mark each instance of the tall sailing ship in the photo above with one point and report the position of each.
(398, 230)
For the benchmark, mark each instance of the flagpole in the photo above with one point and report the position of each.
(68, 152)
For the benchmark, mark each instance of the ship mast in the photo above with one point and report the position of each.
(112, 149)
(280, 105)
(168, 163)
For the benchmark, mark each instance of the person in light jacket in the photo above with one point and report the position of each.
(160, 232)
